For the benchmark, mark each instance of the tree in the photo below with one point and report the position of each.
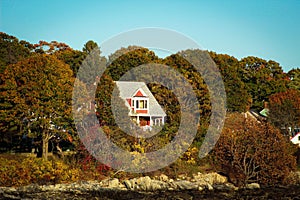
(180, 64)
(294, 75)
(253, 151)
(92, 66)
(89, 46)
(238, 98)
(12, 50)
(72, 57)
(50, 47)
(284, 110)
(262, 78)
(125, 59)
(38, 90)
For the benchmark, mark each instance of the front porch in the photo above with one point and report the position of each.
(148, 120)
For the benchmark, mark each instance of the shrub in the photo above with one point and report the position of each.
(35, 170)
(253, 151)
(90, 167)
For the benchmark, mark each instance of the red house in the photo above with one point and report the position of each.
(142, 105)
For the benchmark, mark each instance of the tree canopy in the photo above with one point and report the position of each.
(37, 90)
(36, 83)
(284, 110)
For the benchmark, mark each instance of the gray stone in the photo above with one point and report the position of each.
(200, 188)
(113, 183)
(225, 187)
(209, 186)
(158, 185)
(104, 183)
(252, 186)
(211, 178)
(185, 185)
(144, 183)
(128, 184)
(163, 177)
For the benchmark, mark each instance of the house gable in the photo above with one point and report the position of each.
(140, 93)
(141, 103)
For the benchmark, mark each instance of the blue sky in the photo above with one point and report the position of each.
(266, 29)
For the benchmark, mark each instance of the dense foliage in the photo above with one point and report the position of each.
(36, 85)
(252, 151)
(25, 171)
(284, 111)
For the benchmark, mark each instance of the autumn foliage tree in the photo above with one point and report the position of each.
(284, 110)
(253, 151)
(37, 91)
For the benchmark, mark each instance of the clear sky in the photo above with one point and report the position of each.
(266, 29)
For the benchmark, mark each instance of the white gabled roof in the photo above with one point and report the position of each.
(128, 89)
(295, 139)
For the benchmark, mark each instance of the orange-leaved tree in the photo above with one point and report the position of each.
(253, 151)
(284, 110)
(38, 91)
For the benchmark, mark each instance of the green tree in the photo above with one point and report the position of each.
(194, 78)
(38, 89)
(262, 78)
(126, 59)
(238, 98)
(93, 65)
(72, 57)
(294, 75)
(12, 50)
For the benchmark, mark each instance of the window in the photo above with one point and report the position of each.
(141, 104)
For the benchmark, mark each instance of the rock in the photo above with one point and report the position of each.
(185, 185)
(210, 178)
(128, 184)
(144, 183)
(114, 183)
(181, 177)
(104, 183)
(157, 185)
(225, 187)
(209, 186)
(252, 186)
(200, 188)
(163, 177)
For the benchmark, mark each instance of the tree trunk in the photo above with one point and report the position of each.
(45, 143)
(60, 150)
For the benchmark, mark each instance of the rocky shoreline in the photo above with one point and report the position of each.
(199, 186)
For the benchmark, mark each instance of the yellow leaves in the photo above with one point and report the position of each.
(190, 155)
(35, 170)
(139, 148)
(139, 159)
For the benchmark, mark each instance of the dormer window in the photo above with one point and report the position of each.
(141, 104)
